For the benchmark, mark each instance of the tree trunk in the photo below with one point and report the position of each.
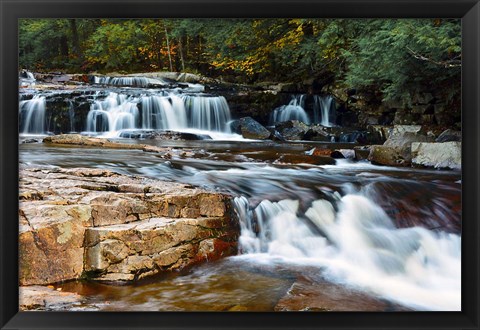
(168, 47)
(180, 46)
(75, 39)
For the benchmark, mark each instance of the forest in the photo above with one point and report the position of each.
(391, 57)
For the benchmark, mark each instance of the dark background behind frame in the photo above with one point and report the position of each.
(12, 10)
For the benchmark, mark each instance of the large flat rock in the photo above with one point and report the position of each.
(57, 206)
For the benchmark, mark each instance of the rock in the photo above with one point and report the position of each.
(449, 135)
(343, 153)
(132, 251)
(378, 134)
(362, 152)
(383, 155)
(437, 210)
(58, 206)
(399, 130)
(51, 241)
(317, 133)
(292, 129)
(437, 155)
(81, 140)
(307, 294)
(249, 128)
(396, 151)
(46, 298)
(31, 141)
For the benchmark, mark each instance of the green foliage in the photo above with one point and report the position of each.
(398, 55)
(393, 56)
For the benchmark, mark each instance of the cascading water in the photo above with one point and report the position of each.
(32, 115)
(27, 79)
(163, 112)
(323, 109)
(295, 110)
(128, 81)
(168, 111)
(114, 113)
(71, 116)
(358, 245)
(209, 113)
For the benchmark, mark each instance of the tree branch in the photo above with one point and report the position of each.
(453, 63)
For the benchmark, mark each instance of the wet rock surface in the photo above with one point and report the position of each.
(249, 128)
(87, 141)
(164, 135)
(307, 294)
(57, 206)
(41, 298)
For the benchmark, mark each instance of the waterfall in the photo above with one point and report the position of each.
(27, 79)
(163, 112)
(358, 245)
(114, 113)
(128, 81)
(32, 115)
(167, 111)
(209, 113)
(71, 116)
(295, 110)
(323, 109)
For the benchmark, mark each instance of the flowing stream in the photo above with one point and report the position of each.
(388, 233)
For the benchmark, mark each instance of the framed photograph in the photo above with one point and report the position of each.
(239, 164)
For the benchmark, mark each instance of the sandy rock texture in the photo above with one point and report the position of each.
(94, 223)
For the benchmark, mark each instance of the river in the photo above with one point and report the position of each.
(353, 235)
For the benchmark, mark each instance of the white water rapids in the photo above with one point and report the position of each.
(360, 246)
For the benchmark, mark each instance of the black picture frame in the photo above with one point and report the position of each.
(12, 10)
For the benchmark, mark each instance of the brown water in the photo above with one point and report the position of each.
(251, 170)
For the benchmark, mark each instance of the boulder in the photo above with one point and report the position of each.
(249, 128)
(317, 133)
(449, 135)
(292, 129)
(447, 155)
(59, 206)
(396, 151)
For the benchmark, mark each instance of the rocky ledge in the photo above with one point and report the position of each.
(42, 298)
(97, 224)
